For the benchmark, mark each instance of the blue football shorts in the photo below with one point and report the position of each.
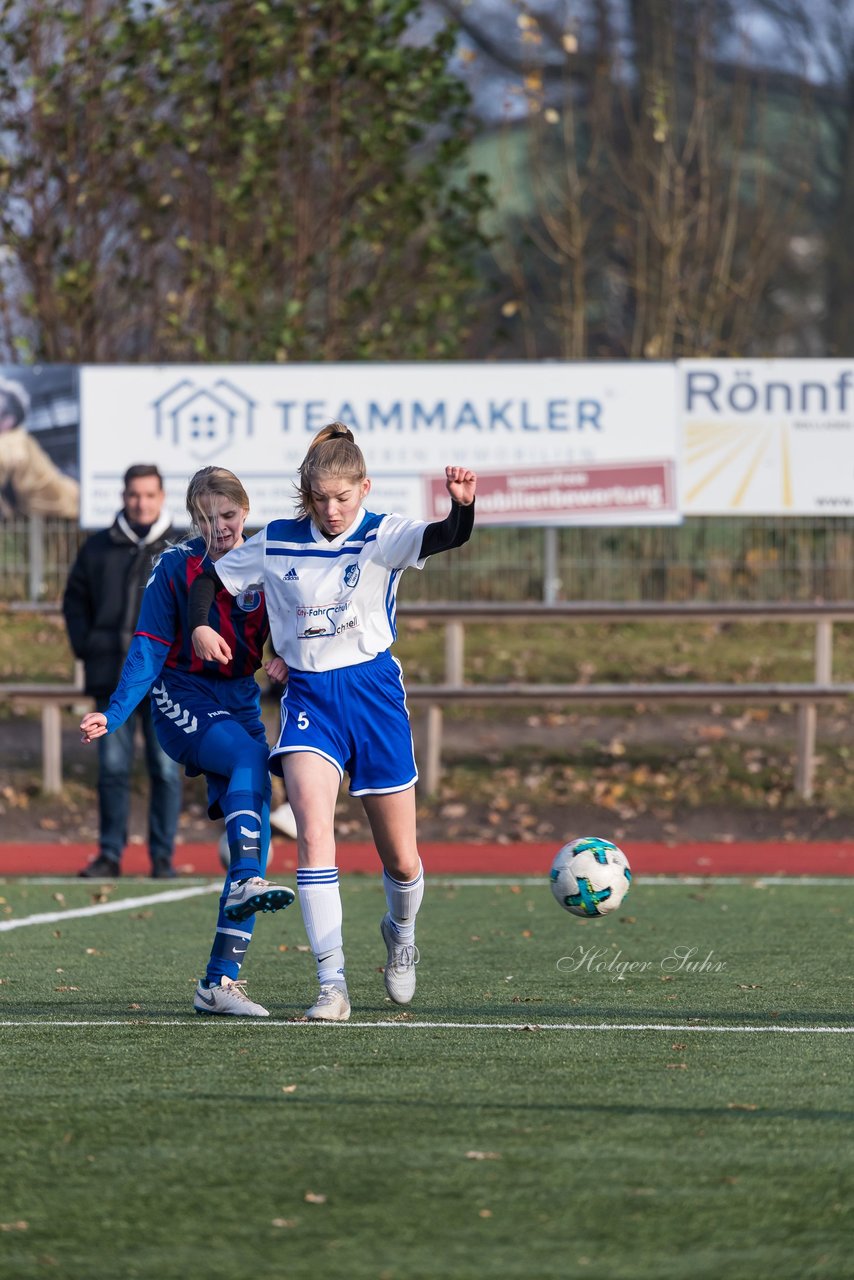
(355, 717)
(184, 707)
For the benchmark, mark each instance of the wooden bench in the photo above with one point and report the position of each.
(455, 688)
(52, 698)
(804, 696)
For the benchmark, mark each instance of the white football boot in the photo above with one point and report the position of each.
(399, 973)
(228, 998)
(332, 1005)
(245, 897)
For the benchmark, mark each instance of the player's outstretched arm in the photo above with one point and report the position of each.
(142, 666)
(456, 528)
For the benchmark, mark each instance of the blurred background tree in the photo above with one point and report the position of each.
(672, 177)
(222, 180)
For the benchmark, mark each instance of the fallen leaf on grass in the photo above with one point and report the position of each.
(289, 1088)
(66, 988)
(312, 1197)
(742, 1106)
(284, 1222)
(482, 1155)
(20, 1225)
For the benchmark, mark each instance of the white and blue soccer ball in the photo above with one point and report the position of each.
(590, 877)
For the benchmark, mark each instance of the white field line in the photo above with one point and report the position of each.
(245, 1024)
(104, 908)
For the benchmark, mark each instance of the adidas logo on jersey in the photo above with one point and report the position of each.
(291, 576)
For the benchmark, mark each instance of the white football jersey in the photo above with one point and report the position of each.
(331, 603)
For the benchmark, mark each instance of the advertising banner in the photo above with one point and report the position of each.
(767, 437)
(554, 443)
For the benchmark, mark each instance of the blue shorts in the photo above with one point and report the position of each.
(356, 718)
(184, 707)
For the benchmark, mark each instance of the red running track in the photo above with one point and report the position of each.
(768, 858)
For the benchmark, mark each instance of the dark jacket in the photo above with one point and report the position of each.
(103, 595)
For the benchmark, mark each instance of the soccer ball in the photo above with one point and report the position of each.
(590, 877)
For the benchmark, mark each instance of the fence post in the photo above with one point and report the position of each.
(808, 713)
(35, 556)
(551, 580)
(51, 749)
(433, 764)
(454, 651)
(454, 665)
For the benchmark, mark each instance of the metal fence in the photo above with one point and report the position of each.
(714, 559)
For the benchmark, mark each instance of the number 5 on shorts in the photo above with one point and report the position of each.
(302, 720)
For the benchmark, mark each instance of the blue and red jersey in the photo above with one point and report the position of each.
(163, 636)
(164, 616)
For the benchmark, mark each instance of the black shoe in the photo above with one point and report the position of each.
(101, 869)
(163, 871)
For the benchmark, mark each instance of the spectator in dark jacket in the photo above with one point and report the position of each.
(101, 603)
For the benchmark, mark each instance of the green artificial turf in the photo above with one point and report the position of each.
(567, 1108)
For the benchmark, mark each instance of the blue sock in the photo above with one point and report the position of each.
(245, 830)
(230, 943)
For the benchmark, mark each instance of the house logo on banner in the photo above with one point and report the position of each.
(203, 420)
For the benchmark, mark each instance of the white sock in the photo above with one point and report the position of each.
(404, 898)
(320, 903)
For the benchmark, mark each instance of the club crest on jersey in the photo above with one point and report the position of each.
(249, 600)
(351, 575)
